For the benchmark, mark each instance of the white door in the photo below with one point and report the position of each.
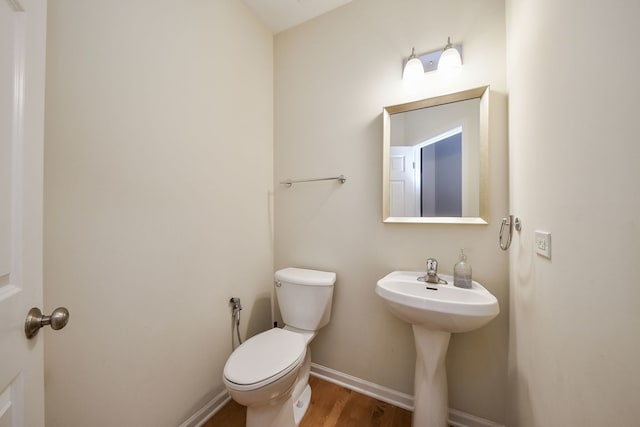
(403, 190)
(22, 55)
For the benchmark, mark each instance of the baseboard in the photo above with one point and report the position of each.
(385, 394)
(462, 419)
(396, 398)
(402, 400)
(208, 410)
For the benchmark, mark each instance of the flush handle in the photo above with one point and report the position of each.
(35, 320)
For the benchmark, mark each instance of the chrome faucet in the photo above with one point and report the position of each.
(432, 273)
(432, 270)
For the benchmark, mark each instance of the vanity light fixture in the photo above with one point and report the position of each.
(444, 60)
(450, 58)
(413, 69)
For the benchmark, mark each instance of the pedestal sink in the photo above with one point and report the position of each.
(434, 311)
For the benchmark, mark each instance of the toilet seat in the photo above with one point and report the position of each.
(264, 358)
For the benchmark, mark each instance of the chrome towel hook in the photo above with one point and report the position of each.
(511, 223)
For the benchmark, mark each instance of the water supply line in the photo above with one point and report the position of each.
(236, 307)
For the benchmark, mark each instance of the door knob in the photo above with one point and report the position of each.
(35, 320)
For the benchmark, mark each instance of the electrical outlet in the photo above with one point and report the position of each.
(543, 243)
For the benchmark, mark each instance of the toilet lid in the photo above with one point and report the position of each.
(269, 354)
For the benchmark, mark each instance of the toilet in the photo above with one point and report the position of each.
(269, 373)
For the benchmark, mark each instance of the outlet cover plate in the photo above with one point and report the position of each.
(543, 243)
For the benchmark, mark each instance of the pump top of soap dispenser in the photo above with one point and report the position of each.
(462, 272)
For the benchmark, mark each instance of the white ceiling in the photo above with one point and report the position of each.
(280, 15)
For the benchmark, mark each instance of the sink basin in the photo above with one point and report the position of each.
(437, 307)
(435, 311)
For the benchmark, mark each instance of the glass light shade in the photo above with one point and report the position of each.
(413, 70)
(449, 60)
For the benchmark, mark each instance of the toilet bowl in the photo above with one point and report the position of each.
(269, 372)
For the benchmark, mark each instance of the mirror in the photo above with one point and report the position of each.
(435, 154)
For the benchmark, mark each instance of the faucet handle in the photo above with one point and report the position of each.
(432, 265)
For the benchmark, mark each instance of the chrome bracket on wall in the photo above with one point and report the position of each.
(510, 223)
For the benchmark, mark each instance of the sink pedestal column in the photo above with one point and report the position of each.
(430, 388)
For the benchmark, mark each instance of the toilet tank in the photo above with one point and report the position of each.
(304, 297)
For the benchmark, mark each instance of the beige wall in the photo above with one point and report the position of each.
(158, 168)
(574, 347)
(333, 75)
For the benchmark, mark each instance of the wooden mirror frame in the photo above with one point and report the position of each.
(480, 92)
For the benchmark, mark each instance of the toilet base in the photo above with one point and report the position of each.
(301, 405)
(276, 414)
(285, 412)
(280, 414)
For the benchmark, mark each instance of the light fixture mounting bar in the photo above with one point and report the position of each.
(430, 59)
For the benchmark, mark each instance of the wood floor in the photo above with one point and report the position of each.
(331, 406)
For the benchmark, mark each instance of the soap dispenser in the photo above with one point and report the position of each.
(462, 272)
